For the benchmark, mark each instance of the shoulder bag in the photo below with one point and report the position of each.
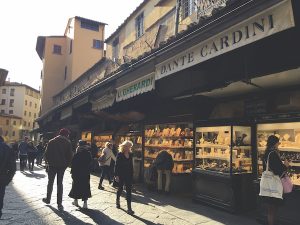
(270, 184)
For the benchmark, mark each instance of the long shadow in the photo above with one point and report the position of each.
(33, 175)
(143, 220)
(67, 217)
(98, 217)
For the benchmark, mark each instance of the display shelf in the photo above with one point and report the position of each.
(173, 147)
(212, 146)
(177, 139)
(283, 149)
(213, 157)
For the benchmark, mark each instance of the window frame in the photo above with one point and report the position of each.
(57, 49)
(139, 25)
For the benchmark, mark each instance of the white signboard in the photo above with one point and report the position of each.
(275, 19)
(136, 87)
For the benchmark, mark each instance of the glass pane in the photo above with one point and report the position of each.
(213, 148)
(177, 139)
(289, 136)
(241, 150)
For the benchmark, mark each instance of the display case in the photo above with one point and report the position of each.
(100, 141)
(86, 136)
(177, 139)
(289, 148)
(224, 149)
(223, 167)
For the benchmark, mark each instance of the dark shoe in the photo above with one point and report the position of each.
(60, 207)
(130, 211)
(118, 204)
(45, 200)
(100, 187)
(0, 214)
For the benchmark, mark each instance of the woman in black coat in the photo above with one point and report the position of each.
(80, 171)
(279, 169)
(124, 173)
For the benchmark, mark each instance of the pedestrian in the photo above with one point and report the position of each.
(80, 170)
(279, 169)
(164, 165)
(7, 169)
(124, 173)
(15, 149)
(105, 160)
(58, 156)
(23, 153)
(32, 153)
(40, 153)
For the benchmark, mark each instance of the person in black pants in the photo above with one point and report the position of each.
(124, 173)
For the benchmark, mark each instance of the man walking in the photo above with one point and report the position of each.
(23, 153)
(7, 169)
(58, 156)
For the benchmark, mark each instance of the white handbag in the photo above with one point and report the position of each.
(270, 184)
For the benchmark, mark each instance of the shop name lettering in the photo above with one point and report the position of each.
(135, 87)
(223, 43)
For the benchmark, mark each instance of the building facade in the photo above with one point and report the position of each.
(10, 127)
(68, 56)
(21, 101)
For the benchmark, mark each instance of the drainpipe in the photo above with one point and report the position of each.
(178, 6)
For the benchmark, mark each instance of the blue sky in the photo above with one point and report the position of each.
(21, 22)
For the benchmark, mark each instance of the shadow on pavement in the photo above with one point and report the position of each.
(33, 175)
(142, 219)
(68, 218)
(98, 217)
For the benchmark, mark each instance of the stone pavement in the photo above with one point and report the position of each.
(23, 205)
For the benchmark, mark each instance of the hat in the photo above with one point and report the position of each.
(82, 143)
(64, 132)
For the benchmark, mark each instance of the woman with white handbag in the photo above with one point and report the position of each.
(271, 189)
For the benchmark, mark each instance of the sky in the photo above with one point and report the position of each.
(22, 21)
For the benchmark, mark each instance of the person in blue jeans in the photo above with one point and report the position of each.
(7, 169)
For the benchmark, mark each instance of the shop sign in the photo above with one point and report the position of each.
(206, 7)
(136, 87)
(269, 22)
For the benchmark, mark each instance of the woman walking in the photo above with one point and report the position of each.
(107, 155)
(80, 170)
(279, 169)
(124, 173)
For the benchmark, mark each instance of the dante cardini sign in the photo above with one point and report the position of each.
(136, 87)
(275, 19)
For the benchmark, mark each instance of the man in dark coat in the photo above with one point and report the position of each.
(164, 165)
(58, 156)
(7, 169)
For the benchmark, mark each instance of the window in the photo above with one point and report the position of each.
(13, 133)
(25, 113)
(25, 102)
(3, 102)
(11, 102)
(187, 8)
(29, 114)
(29, 124)
(2, 111)
(30, 104)
(24, 123)
(34, 115)
(6, 133)
(115, 45)
(139, 25)
(90, 25)
(57, 49)
(97, 44)
(3, 91)
(15, 122)
(66, 71)
(12, 92)
(7, 122)
(71, 47)
(11, 111)
(35, 105)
